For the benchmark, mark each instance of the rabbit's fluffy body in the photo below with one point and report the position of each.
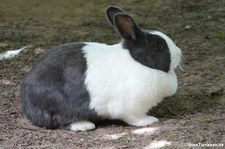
(121, 87)
(74, 85)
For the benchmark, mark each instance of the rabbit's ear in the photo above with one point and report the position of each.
(126, 26)
(111, 11)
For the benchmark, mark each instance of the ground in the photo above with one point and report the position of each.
(195, 115)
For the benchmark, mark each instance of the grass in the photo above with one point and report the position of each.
(53, 22)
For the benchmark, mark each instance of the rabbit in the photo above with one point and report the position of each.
(74, 85)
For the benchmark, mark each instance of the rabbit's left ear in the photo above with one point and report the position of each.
(127, 27)
(111, 11)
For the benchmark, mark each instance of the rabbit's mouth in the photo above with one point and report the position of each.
(181, 63)
(177, 59)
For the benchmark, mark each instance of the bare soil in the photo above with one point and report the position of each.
(192, 118)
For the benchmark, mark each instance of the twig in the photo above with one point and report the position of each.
(31, 129)
(177, 115)
(45, 146)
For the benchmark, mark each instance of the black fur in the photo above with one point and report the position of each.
(150, 50)
(53, 93)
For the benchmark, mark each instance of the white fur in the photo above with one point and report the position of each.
(142, 121)
(122, 88)
(82, 126)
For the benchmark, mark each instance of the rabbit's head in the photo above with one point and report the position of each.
(151, 48)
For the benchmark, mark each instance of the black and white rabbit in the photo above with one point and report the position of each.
(73, 85)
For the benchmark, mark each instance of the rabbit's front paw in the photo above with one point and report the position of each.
(82, 126)
(142, 121)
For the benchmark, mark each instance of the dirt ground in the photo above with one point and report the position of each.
(193, 118)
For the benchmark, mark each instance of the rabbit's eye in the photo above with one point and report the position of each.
(158, 46)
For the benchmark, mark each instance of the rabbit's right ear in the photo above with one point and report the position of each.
(127, 27)
(111, 11)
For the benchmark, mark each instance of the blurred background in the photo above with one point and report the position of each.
(55, 21)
